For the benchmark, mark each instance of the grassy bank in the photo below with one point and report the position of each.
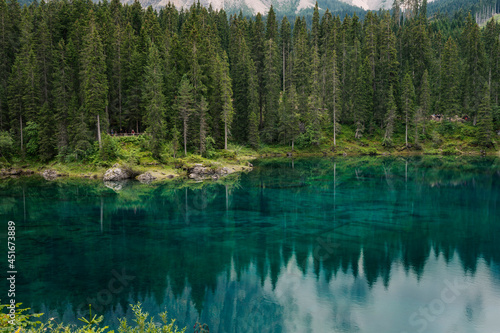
(132, 153)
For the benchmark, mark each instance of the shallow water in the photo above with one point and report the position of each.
(317, 245)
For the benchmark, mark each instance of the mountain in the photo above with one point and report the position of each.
(282, 7)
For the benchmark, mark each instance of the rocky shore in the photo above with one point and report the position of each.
(196, 172)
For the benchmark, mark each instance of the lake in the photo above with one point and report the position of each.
(350, 244)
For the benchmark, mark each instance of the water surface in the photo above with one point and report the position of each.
(317, 245)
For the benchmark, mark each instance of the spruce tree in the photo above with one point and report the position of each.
(408, 104)
(450, 79)
(184, 105)
(390, 118)
(253, 109)
(154, 101)
(425, 101)
(62, 91)
(94, 80)
(226, 97)
(272, 89)
(484, 119)
(202, 113)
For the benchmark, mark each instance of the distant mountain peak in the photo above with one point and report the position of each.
(284, 7)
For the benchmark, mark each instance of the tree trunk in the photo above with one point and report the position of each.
(292, 144)
(406, 132)
(225, 133)
(284, 68)
(99, 132)
(21, 126)
(185, 137)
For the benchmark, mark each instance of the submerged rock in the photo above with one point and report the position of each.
(146, 177)
(115, 174)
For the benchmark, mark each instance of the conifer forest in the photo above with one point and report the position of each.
(74, 73)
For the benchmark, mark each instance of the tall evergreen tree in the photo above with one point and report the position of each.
(94, 79)
(226, 97)
(154, 100)
(484, 122)
(272, 89)
(390, 118)
(449, 103)
(184, 105)
(408, 103)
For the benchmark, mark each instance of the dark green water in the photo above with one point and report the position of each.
(345, 245)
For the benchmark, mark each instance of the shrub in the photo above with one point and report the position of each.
(23, 323)
(6, 144)
(109, 149)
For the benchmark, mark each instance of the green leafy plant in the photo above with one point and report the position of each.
(21, 320)
(144, 325)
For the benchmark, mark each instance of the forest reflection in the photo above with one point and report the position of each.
(291, 246)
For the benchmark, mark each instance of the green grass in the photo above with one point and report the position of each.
(440, 138)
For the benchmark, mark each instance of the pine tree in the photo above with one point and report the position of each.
(390, 118)
(272, 89)
(285, 48)
(484, 121)
(291, 116)
(202, 112)
(184, 105)
(226, 97)
(46, 142)
(62, 79)
(408, 103)
(154, 101)
(94, 79)
(473, 49)
(253, 109)
(271, 25)
(449, 104)
(364, 98)
(257, 52)
(175, 140)
(315, 110)
(425, 101)
(335, 96)
(133, 99)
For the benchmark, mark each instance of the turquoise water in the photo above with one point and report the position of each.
(318, 245)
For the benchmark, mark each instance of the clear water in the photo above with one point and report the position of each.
(317, 245)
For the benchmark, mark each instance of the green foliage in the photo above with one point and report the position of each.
(109, 149)
(144, 325)
(31, 132)
(6, 144)
(240, 80)
(21, 319)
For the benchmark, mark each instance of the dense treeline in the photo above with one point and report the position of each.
(73, 71)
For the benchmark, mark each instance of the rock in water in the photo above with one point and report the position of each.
(114, 174)
(146, 177)
(50, 174)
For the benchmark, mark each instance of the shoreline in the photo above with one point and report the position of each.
(207, 169)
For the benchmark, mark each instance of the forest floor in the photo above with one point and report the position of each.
(131, 153)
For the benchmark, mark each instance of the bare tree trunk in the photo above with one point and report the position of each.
(283, 68)
(99, 132)
(21, 125)
(406, 131)
(185, 137)
(225, 132)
